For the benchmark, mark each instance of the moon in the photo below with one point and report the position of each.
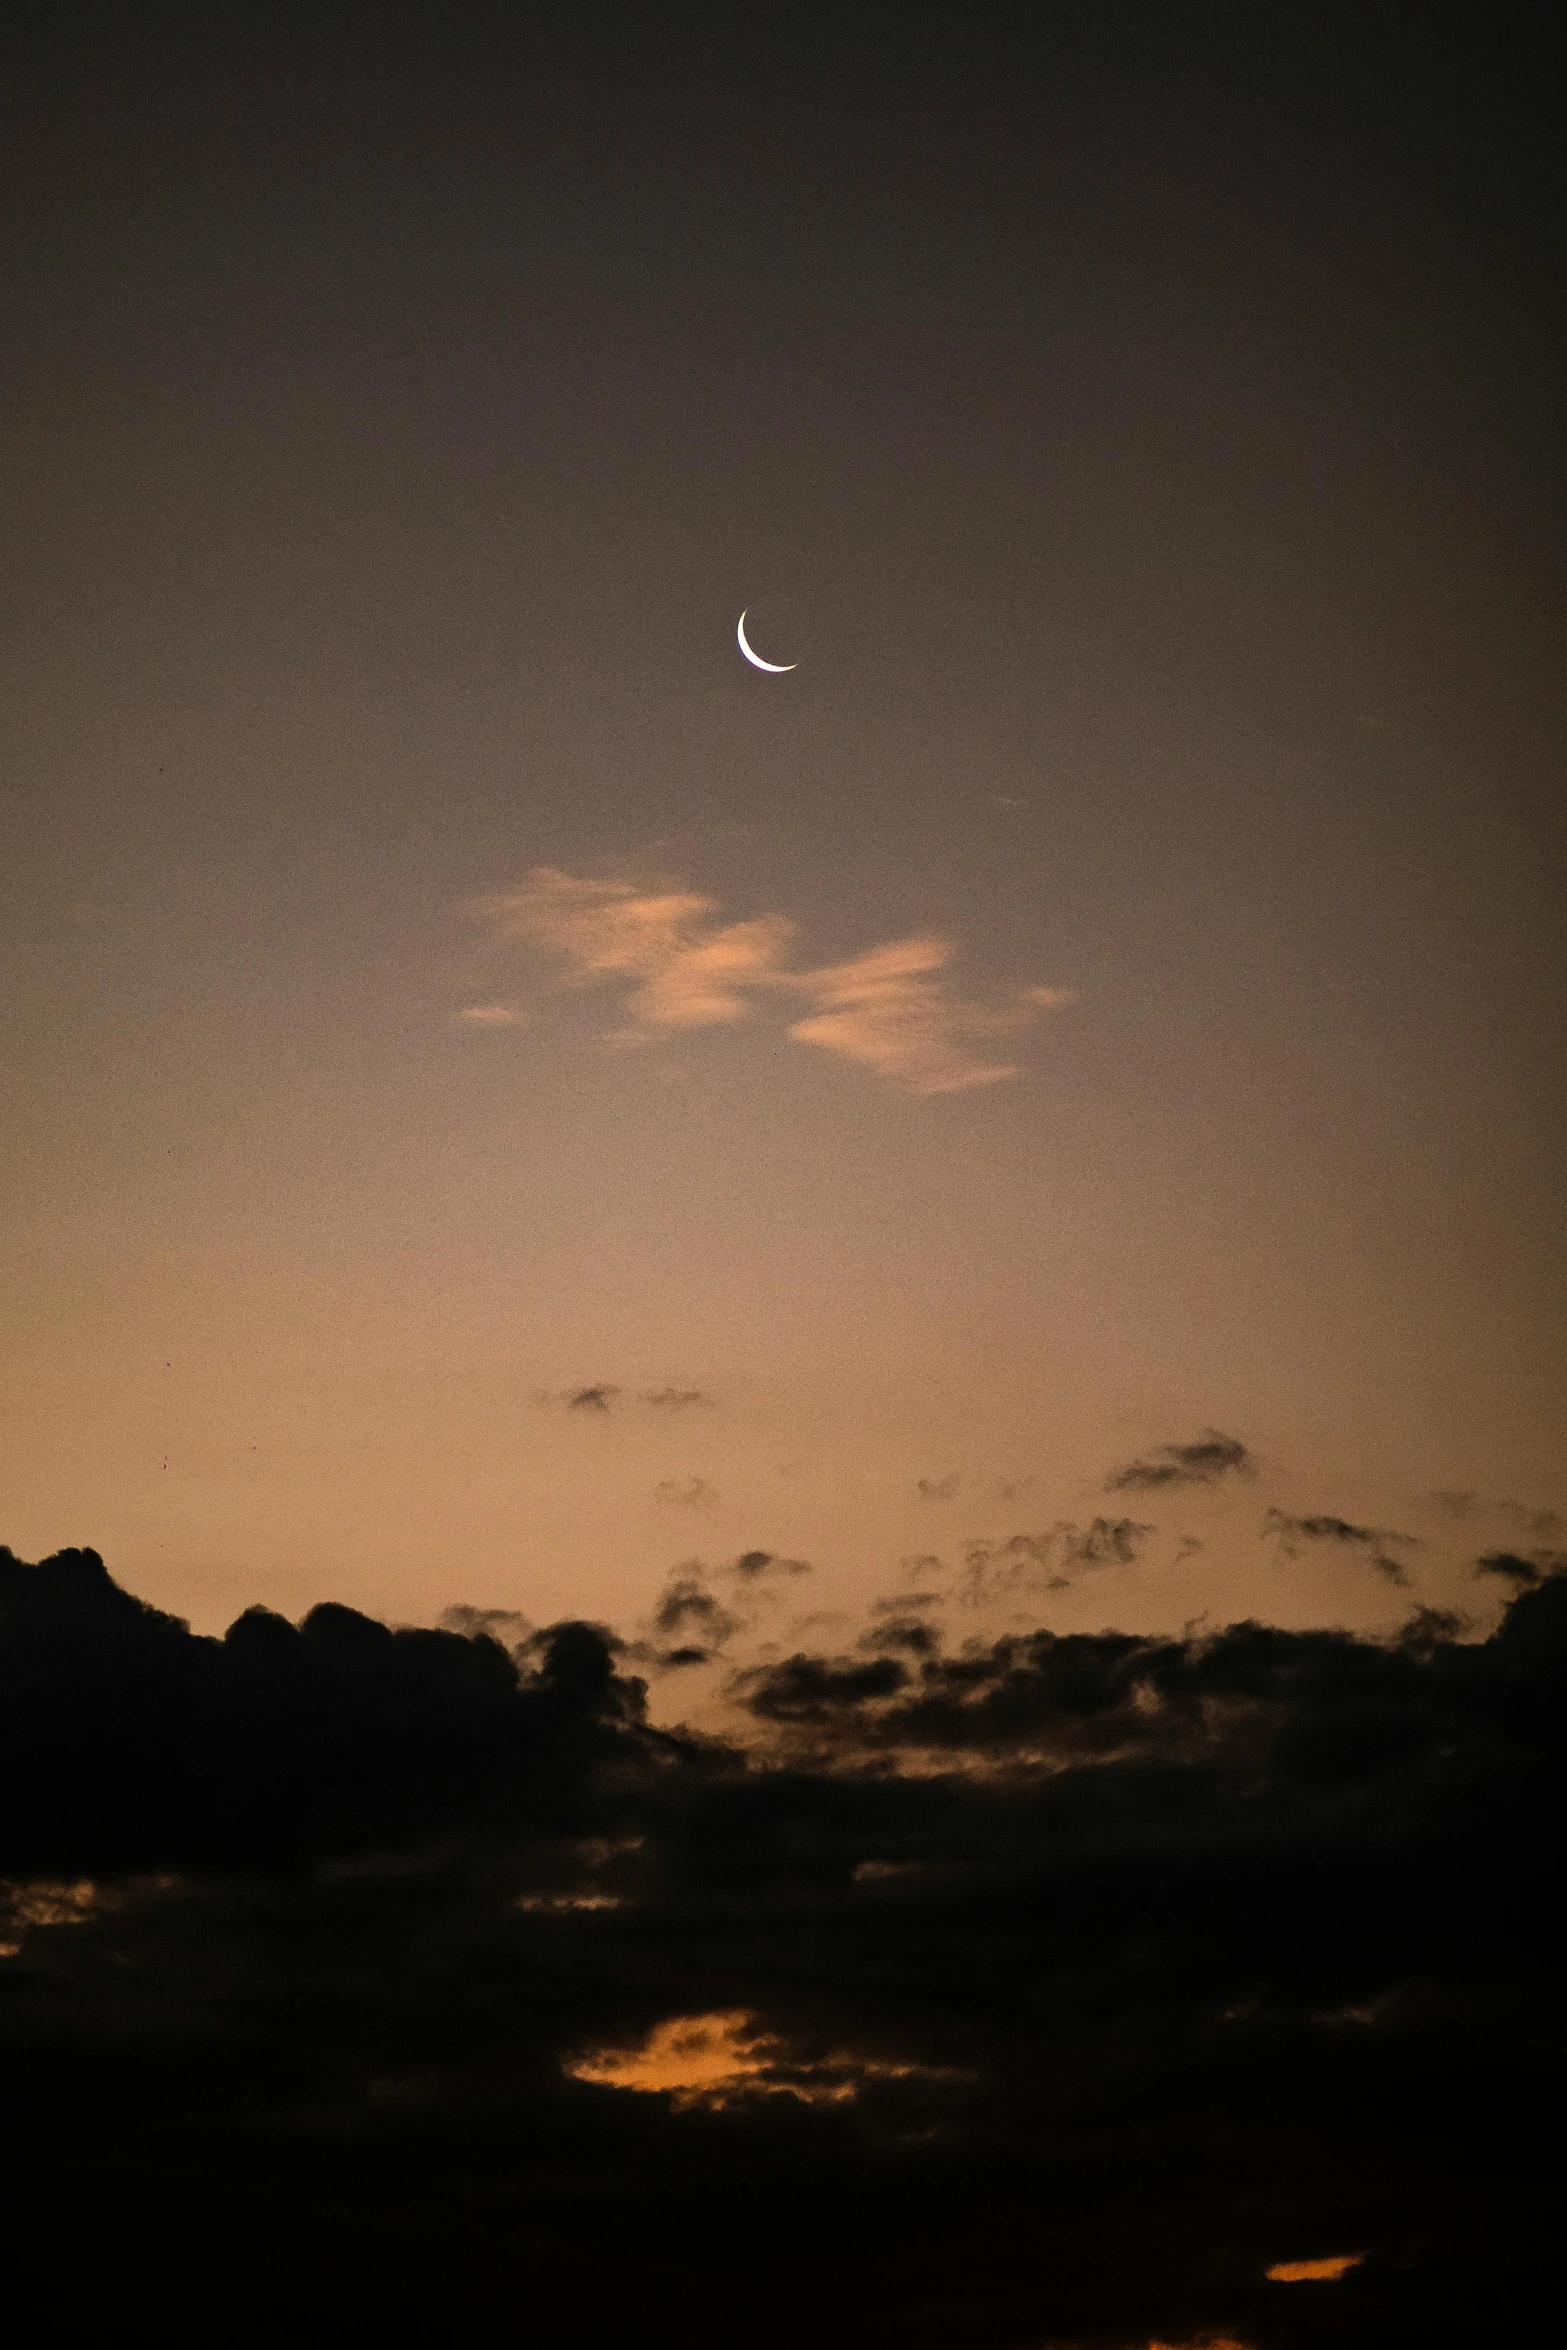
(775, 668)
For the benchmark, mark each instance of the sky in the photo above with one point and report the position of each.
(794, 1434)
(1135, 428)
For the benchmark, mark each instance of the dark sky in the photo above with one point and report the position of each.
(980, 1219)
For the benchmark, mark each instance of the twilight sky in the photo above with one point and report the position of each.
(784, 1542)
(505, 1100)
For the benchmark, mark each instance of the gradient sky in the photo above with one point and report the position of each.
(1141, 427)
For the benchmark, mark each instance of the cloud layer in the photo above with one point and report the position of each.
(1055, 1990)
(892, 1009)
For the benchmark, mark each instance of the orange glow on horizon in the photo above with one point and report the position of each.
(1314, 2272)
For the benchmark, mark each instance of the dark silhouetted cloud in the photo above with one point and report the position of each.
(1208, 1458)
(495, 1623)
(1521, 1572)
(1058, 1987)
(1020, 1563)
(689, 1616)
(592, 1399)
(1322, 1529)
(904, 1627)
(278, 1739)
(811, 1688)
(752, 1565)
(675, 1399)
(1027, 1564)
(1292, 1533)
(1107, 1542)
(936, 1488)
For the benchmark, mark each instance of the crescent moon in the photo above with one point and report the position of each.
(776, 668)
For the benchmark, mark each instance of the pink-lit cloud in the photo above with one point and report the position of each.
(892, 1009)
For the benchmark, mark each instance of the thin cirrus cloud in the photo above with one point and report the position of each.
(891, 1009)
(488, 1016)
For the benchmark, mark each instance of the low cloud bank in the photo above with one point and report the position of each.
(127, 1742)
(1084, 1990)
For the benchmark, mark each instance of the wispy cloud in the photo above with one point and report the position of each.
(752, 1565)
(687, 1493)
(1376, 1541)
(1026, 1564)
(688, 1614)
(891, 1009)
(687, 969)
(1522, 1572)
(691, 1623)
(592, 1399)
(1209, 1457)
(604, 1394)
